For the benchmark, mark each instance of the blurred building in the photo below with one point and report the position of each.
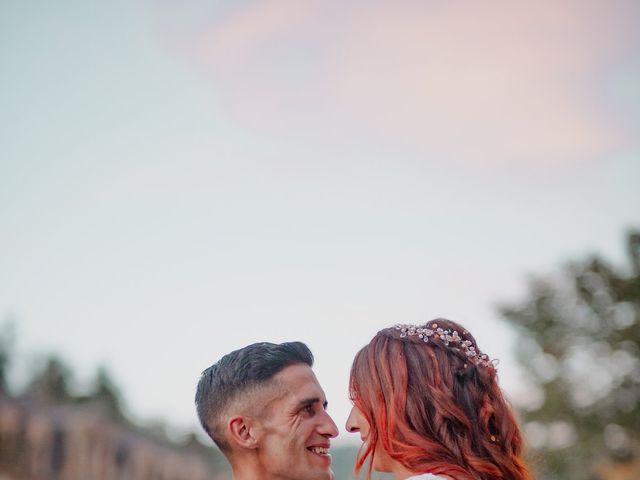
(80, 442)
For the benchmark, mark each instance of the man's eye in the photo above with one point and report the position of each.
(309, 410)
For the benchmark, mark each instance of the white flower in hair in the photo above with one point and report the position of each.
(448, 337)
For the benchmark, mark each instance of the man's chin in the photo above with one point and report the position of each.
(326, 475)
(329, 475)
(320, 467)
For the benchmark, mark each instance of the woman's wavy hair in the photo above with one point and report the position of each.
(433, 408)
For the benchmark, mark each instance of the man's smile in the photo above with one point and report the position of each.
(319, 450)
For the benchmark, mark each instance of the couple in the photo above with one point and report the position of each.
(426, 404)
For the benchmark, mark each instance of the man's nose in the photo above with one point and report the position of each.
(328, 427)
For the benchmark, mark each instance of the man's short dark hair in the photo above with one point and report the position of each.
(237, 373)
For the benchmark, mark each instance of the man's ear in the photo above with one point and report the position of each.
(242, 432)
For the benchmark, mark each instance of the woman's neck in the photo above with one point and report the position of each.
(401, 473)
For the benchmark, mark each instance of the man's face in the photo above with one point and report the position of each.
(294, 435)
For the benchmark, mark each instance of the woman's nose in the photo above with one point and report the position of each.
(351, 428)
(351, 424)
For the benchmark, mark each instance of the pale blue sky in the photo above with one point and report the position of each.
(152, 223)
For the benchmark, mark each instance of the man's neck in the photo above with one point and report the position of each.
(249, 468)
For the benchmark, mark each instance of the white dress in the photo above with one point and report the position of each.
(425, 476)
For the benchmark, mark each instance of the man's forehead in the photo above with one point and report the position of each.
(298, 383)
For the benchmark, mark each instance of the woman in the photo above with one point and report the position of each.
(428, 406)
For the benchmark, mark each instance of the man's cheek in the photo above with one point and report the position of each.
(295, 422)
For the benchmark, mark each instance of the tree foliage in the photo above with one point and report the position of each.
(6, 348)
(107, 393)
(51, 385)
(579, 341)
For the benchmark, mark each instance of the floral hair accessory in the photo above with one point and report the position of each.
(449, 338)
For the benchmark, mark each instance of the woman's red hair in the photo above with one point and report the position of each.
(433, 409)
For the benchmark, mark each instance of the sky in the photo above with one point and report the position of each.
(181, 179)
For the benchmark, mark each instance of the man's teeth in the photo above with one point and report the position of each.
(320, 450)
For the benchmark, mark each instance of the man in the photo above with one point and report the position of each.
(264, 408)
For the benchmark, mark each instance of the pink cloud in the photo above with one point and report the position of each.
(484, 82)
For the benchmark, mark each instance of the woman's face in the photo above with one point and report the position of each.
(358, 423)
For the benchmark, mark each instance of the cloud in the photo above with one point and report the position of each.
(493, 82)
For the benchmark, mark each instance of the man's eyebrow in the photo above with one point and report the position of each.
(310, 401)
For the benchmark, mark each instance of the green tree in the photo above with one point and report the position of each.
(107, 395)
(579, 341)
(6, 350)
(51, 383)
